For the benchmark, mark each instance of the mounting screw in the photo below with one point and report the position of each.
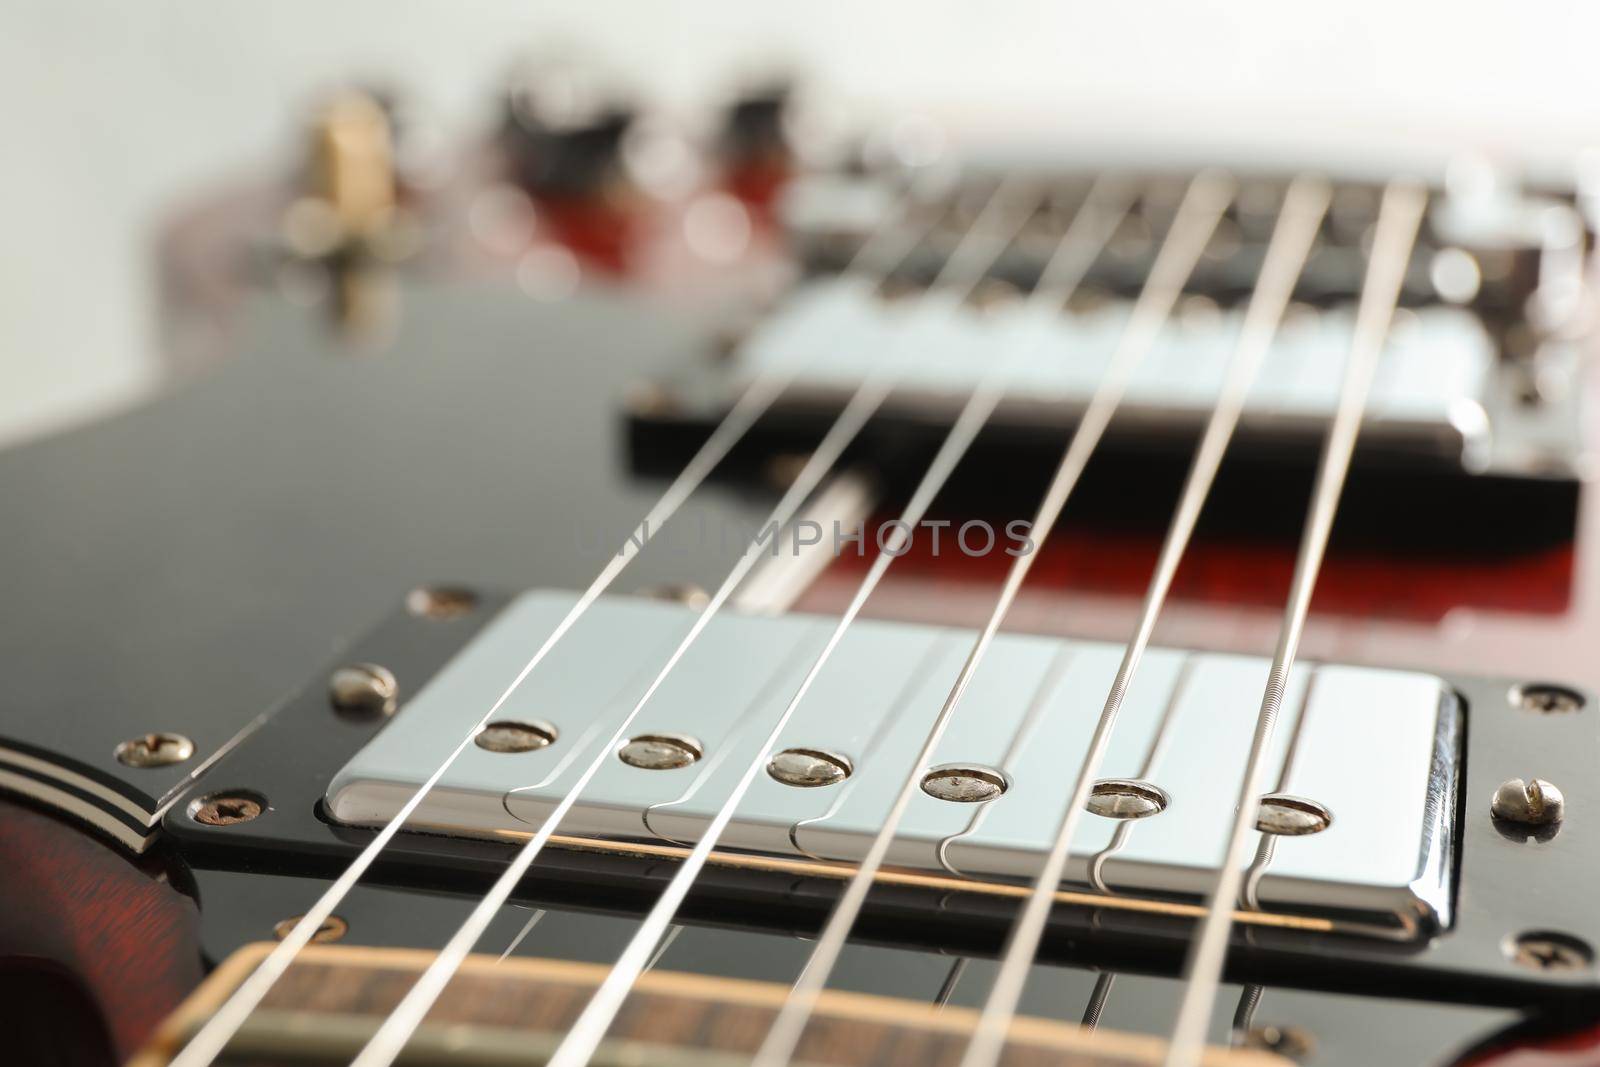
(1543, 950)
(660, 752)
(684, 593)
(1291, 1041)
(155, 750)
(1547, 699)
(963, 784)
(808, 768)
(1531, 803)
(781, 470)
(364, 691)
(647, 399)
(441, 602)
(333, 928)
(508, 736)
(226, 809)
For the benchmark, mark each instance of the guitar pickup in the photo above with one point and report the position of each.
(1380, 864)
(1476, 408)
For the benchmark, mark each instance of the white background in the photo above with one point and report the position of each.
(110, 113)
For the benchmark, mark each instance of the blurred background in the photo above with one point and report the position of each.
(115, 114)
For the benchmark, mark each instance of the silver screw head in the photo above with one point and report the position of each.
(1543, 950)
(363, 690)
(155, 750)
(508, 736)
(963, 784)
(1286, 815)
(226, 809)
(646, 398)
(784, 468)
(1291, 1041)
(1532, 803)
(1126, 798)
(1547, 699)
(660, 752)
(685, 593)
(441, 602)
(333, 928)
(808, 768)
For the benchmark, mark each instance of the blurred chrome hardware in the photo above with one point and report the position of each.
(352, 164)
(562, 134)
(753, 145)
(753, 126)
(1515, 258)
(347, 219)
(1520, 243)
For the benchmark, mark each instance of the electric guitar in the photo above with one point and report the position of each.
(606, 595)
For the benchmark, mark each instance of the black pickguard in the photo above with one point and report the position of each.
(183, 565)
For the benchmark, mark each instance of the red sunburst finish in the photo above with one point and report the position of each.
(88, 938)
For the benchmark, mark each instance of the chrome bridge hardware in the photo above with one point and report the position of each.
(1381, 865)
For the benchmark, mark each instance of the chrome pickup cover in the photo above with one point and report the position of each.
(1437, 392)
(1377, 748)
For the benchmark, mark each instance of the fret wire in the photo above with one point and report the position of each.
(1304, 205)
(889, 244)
(586, 1033)
(1202, 206)
(1398, 220)
(958, 271)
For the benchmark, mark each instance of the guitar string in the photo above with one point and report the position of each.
(970, 260)
(1022, 738)
(885, 246)
(1097, 1000)
(1398, 220)
(1299, 219)
(585, 1035)
(952, 978)
(661, 949)
(1249, 897)
(527, 928)
(1244, 1014)
(1203, 203)
(1147, 767)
